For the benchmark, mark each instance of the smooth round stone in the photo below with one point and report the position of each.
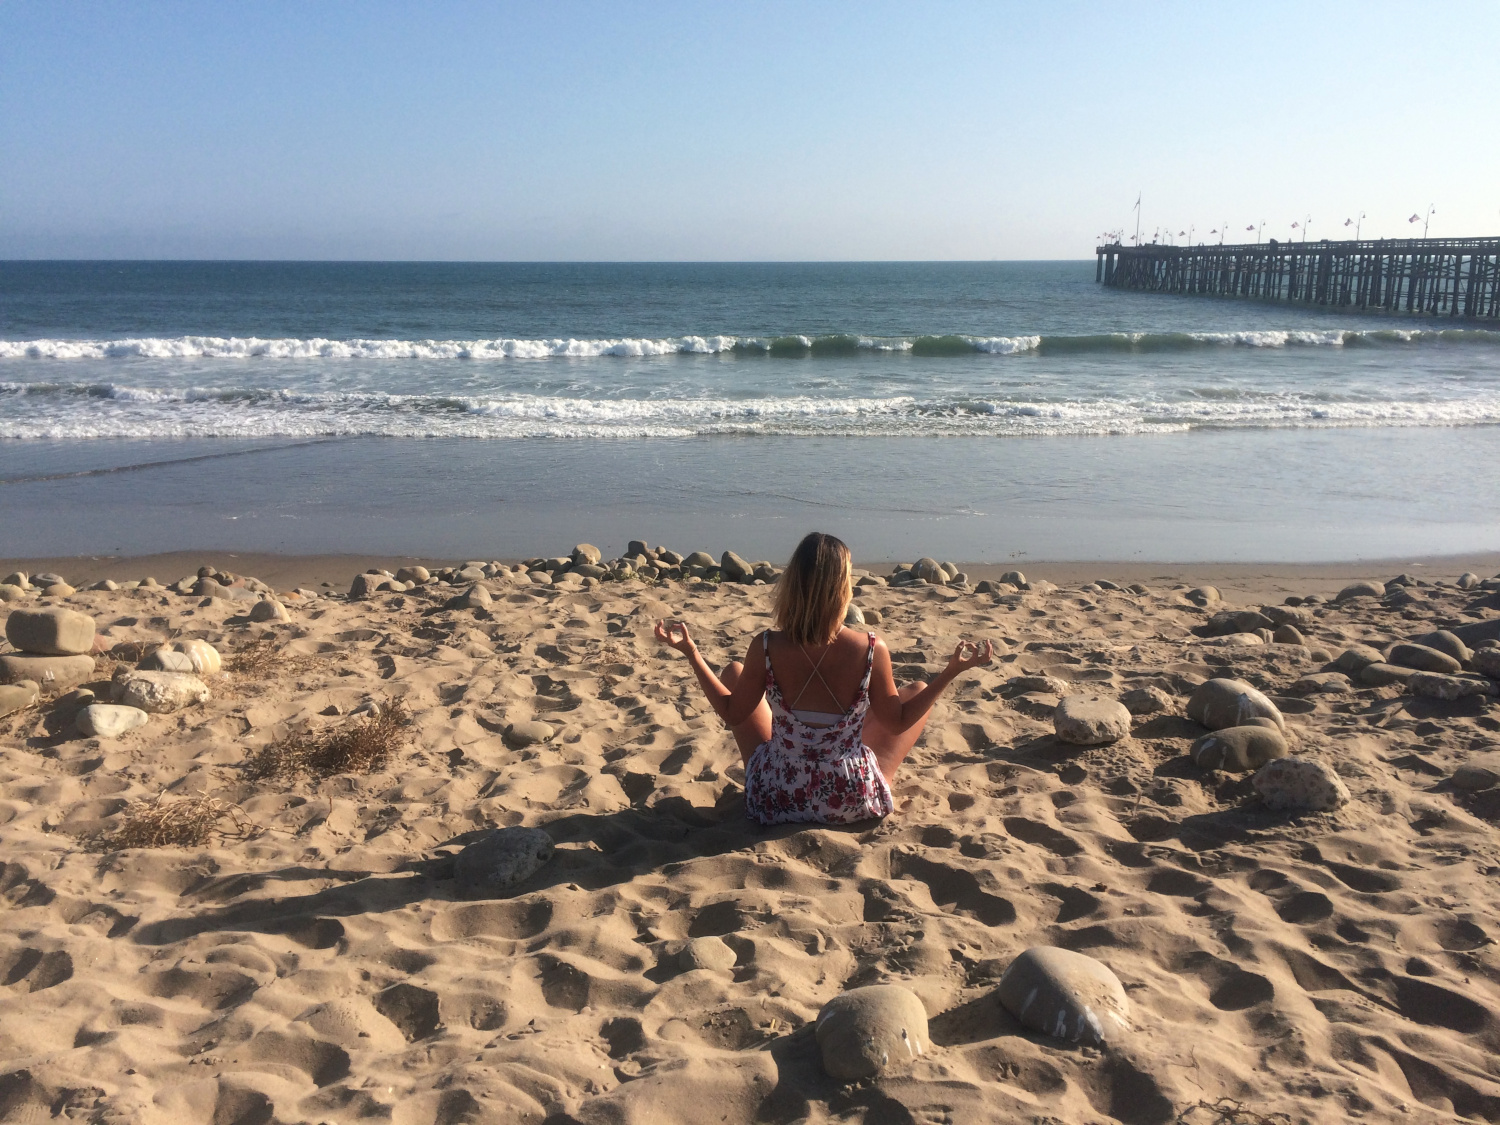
(1382, 674)
(734, 567)
(17, 578)
(1224, 702)
(699, 558)
(110, 720)
(1091, 720)
(1321, 683)
(706, 953)
(528, 732)
(1013, 578)
(1435, 685)
(1445, 641)
(1468, 580)
(168, 660)
(502, 860)
(1422, 658)
(1299, 784)
(269, 609)
(51, 673)
(1360, 590)
(1239, 749)
(475, 597)
(1203, 596)
(160, 693)
(1472, 778)
(873, 617)
(589, 570)
(418, 574)
(929, 569)
(586, 553)
(1293, 615)
(10, 593)
(15, 696)
(58, 590)
(1066, 995)
(867, 1031)
(854, 615)
(1288, 635)
(50, 632)
(205, 658)
(1147, 701)
(1356, 657)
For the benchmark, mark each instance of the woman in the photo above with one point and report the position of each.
(814, 707)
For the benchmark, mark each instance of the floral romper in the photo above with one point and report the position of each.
(812, 773)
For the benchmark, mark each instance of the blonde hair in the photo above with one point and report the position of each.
(814, 590)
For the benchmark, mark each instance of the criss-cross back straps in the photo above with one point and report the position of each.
(816, 666)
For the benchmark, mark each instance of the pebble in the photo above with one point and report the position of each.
(866, 1031)
(205, 658)
(1147, 701)
(1090, 720)
(1436, 685)
(528, 732)
(160, 693)
(1299, 784)
(168, 660)
(1360, 590)
(1066, 995)
(1381, 674)
(52, 673)
(1224, 702)
(1356, 657)
(15, 696)
(50, 632)
(501, 860)
(109, 720)
(1239, 749)
(706, 953)
(269, 609)
(1422, 658)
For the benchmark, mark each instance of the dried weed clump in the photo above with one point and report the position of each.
(255, 661)
(187, 822)
(360, 747)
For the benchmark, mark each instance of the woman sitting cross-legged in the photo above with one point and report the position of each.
(814, 707)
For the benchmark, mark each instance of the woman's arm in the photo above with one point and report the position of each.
(899, 716)
(734, 707)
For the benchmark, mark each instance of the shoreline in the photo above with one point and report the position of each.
(1246, 580)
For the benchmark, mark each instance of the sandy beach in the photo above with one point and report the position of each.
(319, 959)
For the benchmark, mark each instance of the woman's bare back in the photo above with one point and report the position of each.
(840, 670)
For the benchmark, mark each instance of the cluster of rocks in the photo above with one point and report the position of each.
(18, 585)
(54, 651)
(258, 599)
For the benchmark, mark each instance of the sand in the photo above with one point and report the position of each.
(318, 963)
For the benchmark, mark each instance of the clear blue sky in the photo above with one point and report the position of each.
(705, 130)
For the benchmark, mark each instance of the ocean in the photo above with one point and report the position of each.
(976, 411)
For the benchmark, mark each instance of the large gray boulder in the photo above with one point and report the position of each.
(1239, 749)
(1066, 995)
(866, 1031)
(1221, 703)
(1091, 720)
(50, 632)
(735, 568)
(504, 859)
(50, 673)
(160, 693)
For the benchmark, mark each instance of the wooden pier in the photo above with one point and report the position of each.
(1450, 277)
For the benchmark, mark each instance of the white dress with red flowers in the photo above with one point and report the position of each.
(826, 775)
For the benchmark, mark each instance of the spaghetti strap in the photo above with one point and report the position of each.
(864, 684)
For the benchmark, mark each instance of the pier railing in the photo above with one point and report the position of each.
(1453, 277)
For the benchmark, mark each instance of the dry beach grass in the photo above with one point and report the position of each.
(317, 961)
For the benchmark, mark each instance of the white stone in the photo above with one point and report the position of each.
(110, 720)
(160, 693)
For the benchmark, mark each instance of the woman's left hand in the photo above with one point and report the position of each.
(970, 654)
(675, 635)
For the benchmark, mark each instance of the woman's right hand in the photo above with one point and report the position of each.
(970, 654)
(675, 635)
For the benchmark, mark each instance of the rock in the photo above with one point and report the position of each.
(58, 590)
(1381, 674)
(1472, 778)
(17, 578)
(15, 696)
(588, 553)
(589, 570)
(1436, 685)
(1487, 662)
(168, 660)
(1321, 683)
(735, 568)
(109, 720)
(854, 615)
(1013, 578)
(1468, 580)
(51, 673)
(867, 1031)
(1239, 749)
(1203, 596)
(1422, 658)
(1066, 995)
(699, 558)
(527, 732)
(1233, 640)
(1147, 701)
(502, 860)
(10, 593)
(540, 578)
(1355, 657)
(418, 574)
(1221, 703)
(1288, 615)
(1300, 785)
(475, 597)
(105, 584)
(160, 693)
(50, 632)
(1089, 720)
(1446, 642)
(1046, 685)
(638, 547)
(929, 570)
(269, 609)
(1236, 621)
(367, 585)
(470, 574)
(1360, 590)
(205, 658)
(873, 617)
(706, 953)
(1288, 635)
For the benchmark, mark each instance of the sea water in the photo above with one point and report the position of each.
(983, 411)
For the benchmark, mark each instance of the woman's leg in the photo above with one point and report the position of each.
(891, 748)
(757, 728)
